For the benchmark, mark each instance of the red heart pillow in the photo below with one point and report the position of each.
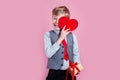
(70, 23)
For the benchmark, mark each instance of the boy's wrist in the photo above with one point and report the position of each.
(59, 41)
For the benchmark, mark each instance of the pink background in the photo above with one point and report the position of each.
(24, 22)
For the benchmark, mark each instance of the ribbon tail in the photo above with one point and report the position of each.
(67, 74)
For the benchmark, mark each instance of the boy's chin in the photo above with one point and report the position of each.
(57, 27)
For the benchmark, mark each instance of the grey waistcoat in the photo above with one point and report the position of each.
(56, 61)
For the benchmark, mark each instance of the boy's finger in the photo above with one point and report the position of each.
(67, 29)
(68, 32)
(64, 27)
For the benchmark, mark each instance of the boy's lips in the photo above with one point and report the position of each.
(55, 24)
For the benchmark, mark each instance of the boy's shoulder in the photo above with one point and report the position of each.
(47, 33)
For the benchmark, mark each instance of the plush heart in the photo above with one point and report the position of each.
(70, 23)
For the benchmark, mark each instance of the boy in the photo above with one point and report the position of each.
(61, 47)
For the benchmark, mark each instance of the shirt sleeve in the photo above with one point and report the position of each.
(50, 49)
(76, 53)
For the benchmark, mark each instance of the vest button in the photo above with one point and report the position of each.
(61, 58)
(62, 46)
(61, 64)
(62, 52)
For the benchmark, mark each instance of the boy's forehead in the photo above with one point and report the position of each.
(60, 15)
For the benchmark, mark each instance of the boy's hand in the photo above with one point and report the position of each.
(76, 72)
(63, 34)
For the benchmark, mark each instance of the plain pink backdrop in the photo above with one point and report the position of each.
(24, 22)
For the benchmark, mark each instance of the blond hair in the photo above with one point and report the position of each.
(61, 10)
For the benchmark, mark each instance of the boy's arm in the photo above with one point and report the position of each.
(50, 49)
(76, 53)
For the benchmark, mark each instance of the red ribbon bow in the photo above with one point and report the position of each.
(73, 66)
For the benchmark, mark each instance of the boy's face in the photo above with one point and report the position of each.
(55, 19)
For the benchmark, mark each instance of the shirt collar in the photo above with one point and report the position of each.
(56, 31)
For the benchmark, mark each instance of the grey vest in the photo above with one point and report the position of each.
(56, 61)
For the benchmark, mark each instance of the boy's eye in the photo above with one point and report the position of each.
(55, 18)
